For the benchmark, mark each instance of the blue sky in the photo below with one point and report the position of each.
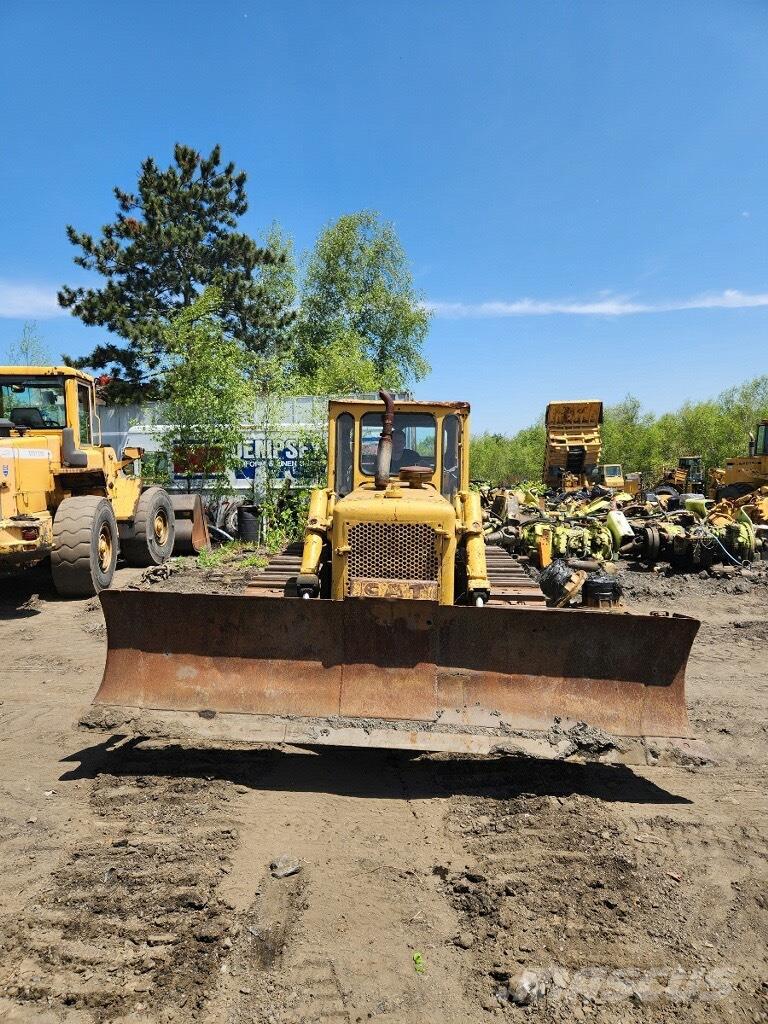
(581, 187)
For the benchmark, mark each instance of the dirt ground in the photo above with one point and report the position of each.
(136, 882)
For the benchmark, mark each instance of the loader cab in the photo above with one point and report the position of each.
(431, 436)
(39, 400)
(693, 466)
(611, 476)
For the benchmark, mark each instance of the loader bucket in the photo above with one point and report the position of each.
(400, 674)
(191, 525)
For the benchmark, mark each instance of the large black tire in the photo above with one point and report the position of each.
(85, 545)
(154, 530)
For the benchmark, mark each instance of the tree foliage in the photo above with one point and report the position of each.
(503, 459)
(716, 429)
(208, 393)
(171, 239)
(30, 348)
(361, 323)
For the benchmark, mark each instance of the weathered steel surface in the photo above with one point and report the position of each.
(191, 525)
(482, 670)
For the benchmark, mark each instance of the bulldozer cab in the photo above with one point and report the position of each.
(431, 436)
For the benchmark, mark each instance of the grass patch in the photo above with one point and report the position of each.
(237, 554)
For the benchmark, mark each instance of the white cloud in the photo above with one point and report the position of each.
(610, 306)
(20, 301)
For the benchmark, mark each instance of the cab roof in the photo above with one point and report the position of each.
(406, 405)
(44, 371)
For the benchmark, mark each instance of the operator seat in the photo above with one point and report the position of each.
(31, 418)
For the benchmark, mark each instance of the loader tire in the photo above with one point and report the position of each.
(154, 530)
(85, 545)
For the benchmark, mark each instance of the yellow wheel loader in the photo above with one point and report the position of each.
(396, 627)
(65, 495)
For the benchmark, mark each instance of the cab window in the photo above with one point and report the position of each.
(450, 480)
(84, 412)
(34, 403)
(345, 426)
(761, 448)
(414, 437)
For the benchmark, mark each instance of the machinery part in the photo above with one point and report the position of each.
(391, 673)
(85, 545)
(308, 585)
(191, 524)
(561, 583)
(601, 590)
(734, 491)
(72, 456)
(154, 530)
(384, 450)
(222, 535)
(590, 565)
(650, 540)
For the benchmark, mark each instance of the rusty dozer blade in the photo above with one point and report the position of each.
(191, 525)
(400, 674)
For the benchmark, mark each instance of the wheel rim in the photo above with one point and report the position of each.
(161, 527)
(105, 548)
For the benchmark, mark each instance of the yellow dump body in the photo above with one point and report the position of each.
(573, 442)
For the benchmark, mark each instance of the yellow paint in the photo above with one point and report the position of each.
(33, 478)
(570, 425)
(455, 518)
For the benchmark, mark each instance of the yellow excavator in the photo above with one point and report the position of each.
(394, 626)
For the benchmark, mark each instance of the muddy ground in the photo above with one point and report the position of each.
(136, 881)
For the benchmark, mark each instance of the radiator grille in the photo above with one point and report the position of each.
(393, 551)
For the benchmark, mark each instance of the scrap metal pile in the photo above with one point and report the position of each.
(592, 529)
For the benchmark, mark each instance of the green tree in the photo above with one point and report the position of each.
(171, 239)
(503, 460)
(361, 325)
(29, 349)
(208, 393)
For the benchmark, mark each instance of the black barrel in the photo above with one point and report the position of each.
(248, 523)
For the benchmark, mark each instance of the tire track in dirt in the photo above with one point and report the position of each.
(131, 918)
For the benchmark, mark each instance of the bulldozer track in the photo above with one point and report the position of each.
(510, 583)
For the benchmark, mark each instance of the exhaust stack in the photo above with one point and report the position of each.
(384, 452)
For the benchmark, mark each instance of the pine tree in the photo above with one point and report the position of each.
(171, 239)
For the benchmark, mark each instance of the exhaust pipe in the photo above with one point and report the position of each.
(384, 451)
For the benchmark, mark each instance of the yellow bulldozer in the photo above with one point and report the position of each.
(394, 626)
(66, 496)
